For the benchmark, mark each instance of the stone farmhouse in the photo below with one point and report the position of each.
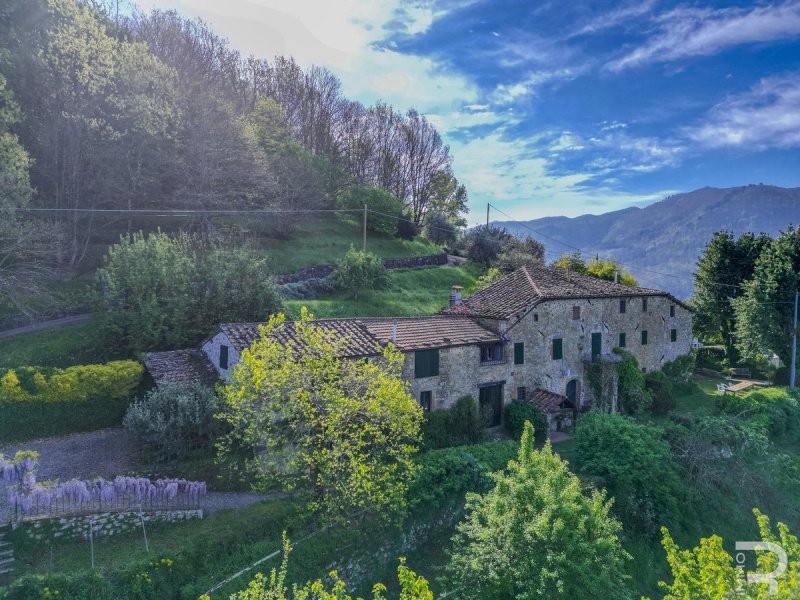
(531, 335)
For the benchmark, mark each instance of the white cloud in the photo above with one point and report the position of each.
(508, 93)
(767, 116)
(686, 32)
(618, 17)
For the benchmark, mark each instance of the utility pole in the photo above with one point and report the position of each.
(487, 214)
(793, 368)
(364, 248)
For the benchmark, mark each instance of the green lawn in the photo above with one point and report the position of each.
(63, 346)
(421, 291)
(323, 240)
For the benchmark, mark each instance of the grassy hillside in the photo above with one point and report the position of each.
(320, 240)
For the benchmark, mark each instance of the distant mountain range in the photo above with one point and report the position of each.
(660, 243)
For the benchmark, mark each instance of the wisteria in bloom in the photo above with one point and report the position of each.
(15, 471)
(78, 495)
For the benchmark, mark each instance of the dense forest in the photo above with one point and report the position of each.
(103, 113)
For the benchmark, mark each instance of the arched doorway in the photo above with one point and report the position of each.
(573, 392)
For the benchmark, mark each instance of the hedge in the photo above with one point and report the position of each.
(40, 403)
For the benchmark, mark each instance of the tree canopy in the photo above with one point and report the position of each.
(344, 430)
(602, 268)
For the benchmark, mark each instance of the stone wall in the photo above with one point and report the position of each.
(211, 349)
(460, 374)
(102, 524)
(554, 319)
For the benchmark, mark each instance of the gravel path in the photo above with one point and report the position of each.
(104, 453)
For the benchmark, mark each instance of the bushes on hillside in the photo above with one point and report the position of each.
(662, 391)
(775, 410)
(633, 461)
(633, 397)
(405, 228)
(384, 204)
(458, 425)
(157, 291)
(36, 403)
(519, 411)
(172, 419)
(358, 271)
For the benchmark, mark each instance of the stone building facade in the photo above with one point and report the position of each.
(534, 335)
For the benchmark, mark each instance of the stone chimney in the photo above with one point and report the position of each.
(616, 275)
(455, 296)
(394, 332)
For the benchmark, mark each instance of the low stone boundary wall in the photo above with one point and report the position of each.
(101, 524)
(408, 262)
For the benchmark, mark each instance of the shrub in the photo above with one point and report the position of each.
(309, 289)
(455, 426)
(405, 229)
(633, 397)
(35, 403)
(776, 409)
(662, 391)
(681, 369)
(484, 244)
(384, 204)
(358, 271)
(451, 472)
(634, 463)
(172, 419)
(519, 411)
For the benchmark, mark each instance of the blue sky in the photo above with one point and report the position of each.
(560, 108)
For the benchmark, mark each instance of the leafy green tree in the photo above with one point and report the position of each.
(633, 461)
(412, 586)
(725, 264)
(358, 270)
(708, 571)
(536, 535)
(631, 391)
(448, 198)
(157, 291)
(484, 244)
(406, 229)
(385, 205)
(440, 229)
(764, 311)
(345, 430)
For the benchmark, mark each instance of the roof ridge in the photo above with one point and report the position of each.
(531, 281)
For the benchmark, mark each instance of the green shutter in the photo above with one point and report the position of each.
(223, 357)
(644, 338)
(519, 353)
(426, 363)
(597, 344)
(558, 350)
(673, 335)
(621, 340)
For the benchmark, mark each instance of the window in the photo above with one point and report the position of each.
(644, 338)
(673, 335)
(519, 353)
(644, 304)
(671, 310)
(491, 353)
(223, 357)
(621, 340)
(558, 349)
(576, 313)
(535, 317)
(623, 305)
(521, 393)
(597, 344)
(426, 400)
(426, 363)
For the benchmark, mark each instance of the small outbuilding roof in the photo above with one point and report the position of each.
(546, 401)
(180, 366)
(531, 285)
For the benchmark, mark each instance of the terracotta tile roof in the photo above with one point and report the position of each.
(545, 400)
(359, 340)
(418, 333)
(530, 285)
(180, 366)
(366, 336)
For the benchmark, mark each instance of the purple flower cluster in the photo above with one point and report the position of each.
(16, 471)
(78, 495)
